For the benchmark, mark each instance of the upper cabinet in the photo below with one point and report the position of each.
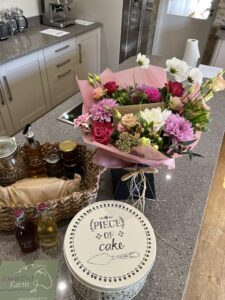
(88, 46)
(25, 89)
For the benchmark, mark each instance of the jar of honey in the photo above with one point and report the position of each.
(53, 165)
(68, 151)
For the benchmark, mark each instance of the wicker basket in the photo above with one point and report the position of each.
(66, 207)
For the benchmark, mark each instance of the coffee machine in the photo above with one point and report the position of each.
(56, 13)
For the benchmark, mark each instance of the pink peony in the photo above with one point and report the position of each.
(82, 120)
(178, 128)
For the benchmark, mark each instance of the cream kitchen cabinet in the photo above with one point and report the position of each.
(61, 62)
(6, 126)
(33, 84)
(25, 89)
(88, 45)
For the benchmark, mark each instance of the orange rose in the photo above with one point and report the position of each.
(218, 84)
(129, 120)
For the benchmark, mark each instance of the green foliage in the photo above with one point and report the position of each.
(165, 95)
(197, 114)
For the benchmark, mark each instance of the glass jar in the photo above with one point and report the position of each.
(53, 165)
(12, 164)
(68, 150)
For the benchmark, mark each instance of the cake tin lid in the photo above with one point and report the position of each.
(67, 146)
(109, 245)
(8, 146)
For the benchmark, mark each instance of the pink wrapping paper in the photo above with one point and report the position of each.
(108, 155)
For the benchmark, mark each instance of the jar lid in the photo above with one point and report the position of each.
(8, 146)
(109, 245)
(67, 146)
(42, 206)
(52, 158)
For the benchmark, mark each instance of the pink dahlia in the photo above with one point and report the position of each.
(178, 128)
(152, 93)
(102, 110)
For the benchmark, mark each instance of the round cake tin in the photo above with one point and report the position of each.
(109, 248)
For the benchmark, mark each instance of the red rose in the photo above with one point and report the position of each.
(101, 132)
(111, 87)
(176, 88)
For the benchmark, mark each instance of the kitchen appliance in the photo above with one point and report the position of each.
(9, 17)
(3, 31)
(21, 19)
(135, 27)
(56, 13)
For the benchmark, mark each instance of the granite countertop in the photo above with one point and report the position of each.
(221, 34)
(175, 215)
(32, 40)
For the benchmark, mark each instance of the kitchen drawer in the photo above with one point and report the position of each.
(60, 49)
(64, 61)
(62, 85)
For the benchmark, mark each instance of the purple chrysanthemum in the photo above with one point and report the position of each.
(178, 128)
(102, 110)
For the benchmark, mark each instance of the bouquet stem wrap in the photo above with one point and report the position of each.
(138, 185)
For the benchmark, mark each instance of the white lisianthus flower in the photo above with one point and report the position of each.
(178, 68)
(143, 60)
(155, 115)
(195, 76)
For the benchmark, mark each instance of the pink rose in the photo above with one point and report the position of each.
(98, 93)
(101, 132)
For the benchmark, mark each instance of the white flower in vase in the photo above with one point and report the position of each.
(155, 116)
(143, 60)
(178, 68)
(195, 76)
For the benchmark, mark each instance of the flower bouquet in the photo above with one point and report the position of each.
(146, 115)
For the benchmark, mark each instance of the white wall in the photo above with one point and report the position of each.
(172, 33)
(109, 13)
(30, 7)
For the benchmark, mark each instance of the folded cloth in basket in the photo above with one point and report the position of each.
(30, 191)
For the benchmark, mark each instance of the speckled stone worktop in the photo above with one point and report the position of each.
(32, 40)
(176, 214)
(221, 34)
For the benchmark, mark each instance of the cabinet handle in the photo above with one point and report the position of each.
(63, 63)
(2, 97)
(63, 48)
(8, 88)
(64, 74)
(80, 53)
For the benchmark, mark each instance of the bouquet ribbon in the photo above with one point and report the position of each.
(138, 185)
